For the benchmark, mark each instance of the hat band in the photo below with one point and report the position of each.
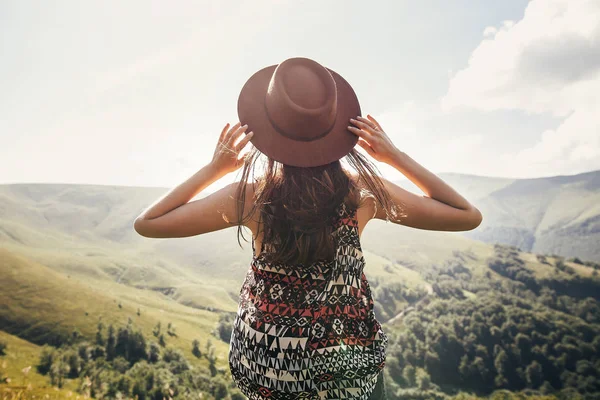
(292, 137)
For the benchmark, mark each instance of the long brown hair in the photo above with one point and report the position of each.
(297, 205)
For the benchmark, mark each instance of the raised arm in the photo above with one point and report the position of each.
(174, 215)
(441, 209)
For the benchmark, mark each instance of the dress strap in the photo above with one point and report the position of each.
(347, 216)
(262, 248)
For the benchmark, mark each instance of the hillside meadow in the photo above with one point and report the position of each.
(95, 310)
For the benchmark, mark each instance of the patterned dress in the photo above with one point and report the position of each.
(309, 332)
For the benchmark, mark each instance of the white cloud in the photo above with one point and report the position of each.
(571, 148)
(546, 63)
(489, 31)
(449, 150)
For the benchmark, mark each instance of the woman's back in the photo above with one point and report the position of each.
(309, 331)
(305, 331)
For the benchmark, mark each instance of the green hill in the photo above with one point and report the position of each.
(85, 232)
(551, 215)
(18, 365)
(44, 306)
(69, 258)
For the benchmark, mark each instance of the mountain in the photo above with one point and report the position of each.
(551, 215)
(86, 231)
(69, 258)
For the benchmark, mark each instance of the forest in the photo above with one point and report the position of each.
(502, 331)
(540, 336)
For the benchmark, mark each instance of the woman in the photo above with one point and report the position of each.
(305, 327)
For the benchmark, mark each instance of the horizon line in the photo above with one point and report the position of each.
(164, 187)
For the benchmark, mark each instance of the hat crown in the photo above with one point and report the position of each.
(301, 99)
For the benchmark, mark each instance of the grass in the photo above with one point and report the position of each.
(18, 364)
(69, 257)
(391, 271)
(42, 304)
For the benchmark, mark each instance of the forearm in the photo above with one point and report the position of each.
(183, 193)
(428, 182)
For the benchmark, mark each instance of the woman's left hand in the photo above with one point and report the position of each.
(225, 159)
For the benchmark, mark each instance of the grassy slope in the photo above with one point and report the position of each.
(20, 355)
(552, 215)
(415, 248)
(190, 268)
(40, 302)
(85, 231)
(76, 242)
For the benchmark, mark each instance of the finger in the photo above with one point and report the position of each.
(242, 143)
(231, 131)
(367, 147)
(367, 121)
(363, 126)
(235, 135)
(222, 135)
(374, 121)
(240, 161)
(224, 149)
(359, 132)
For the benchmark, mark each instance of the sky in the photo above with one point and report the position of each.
(136, 93)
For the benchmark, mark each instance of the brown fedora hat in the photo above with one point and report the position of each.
(299, 112)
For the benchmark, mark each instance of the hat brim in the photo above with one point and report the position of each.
(331, 147)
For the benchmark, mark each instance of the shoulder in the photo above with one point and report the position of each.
(240, 193)
(367, 207)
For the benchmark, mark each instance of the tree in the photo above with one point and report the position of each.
(524, 344)
(208, 346)
(409, 375)
(171, 330)
(74, 363)
(501, 363)
(225, 327)
(196, 348)
(111, 342)
(120, 365)
(46, 359)
(546, 388)
(237, 395)
(156, 330)
(534, 375)
(220, 389)
(122, 346)
(212, 361)
(75, 336)
(99, 335)
(423, 380)
(153, 352)
(177, 361)
(58, 371)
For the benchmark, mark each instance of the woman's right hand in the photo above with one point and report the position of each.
(373, 139)
(441, 208)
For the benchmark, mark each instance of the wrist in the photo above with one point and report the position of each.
(397, 157)
(214, 170)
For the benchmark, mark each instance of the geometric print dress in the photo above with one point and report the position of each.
(309, 332)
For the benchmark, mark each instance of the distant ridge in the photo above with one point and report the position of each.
(549, 215)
